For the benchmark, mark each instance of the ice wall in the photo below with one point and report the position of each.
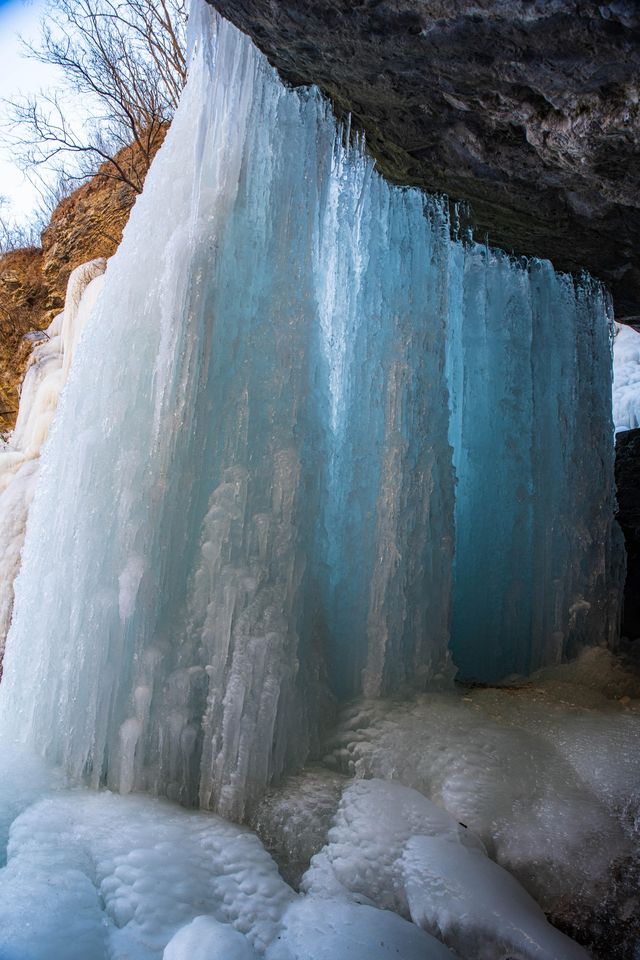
(47, 373)
(538, 565)
(253, 483)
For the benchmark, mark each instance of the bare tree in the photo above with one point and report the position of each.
(124, 62)
(15, 235)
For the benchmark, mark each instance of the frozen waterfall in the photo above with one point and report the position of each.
(46, 375)
(309, 447)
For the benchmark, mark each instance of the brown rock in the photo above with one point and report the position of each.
(527, 109)
(85, 225)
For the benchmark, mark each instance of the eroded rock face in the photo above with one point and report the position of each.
(628, 492)
(527, 109)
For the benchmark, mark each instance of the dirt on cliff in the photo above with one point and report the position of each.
(86, 224)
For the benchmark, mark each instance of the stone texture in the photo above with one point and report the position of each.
(628, 490)
(527, 109)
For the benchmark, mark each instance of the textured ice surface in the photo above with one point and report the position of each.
(207, 939)
(314, 929)
(46, 375)
(249, 492)
(393, 848)
(547, 775)
(536, 572)
(626, 378)
(92, 876)
(293, 819)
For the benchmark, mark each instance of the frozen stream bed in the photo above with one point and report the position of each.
(427, 831)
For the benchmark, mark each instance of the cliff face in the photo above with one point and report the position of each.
(528, 109)
(23, 297)
(85, 225)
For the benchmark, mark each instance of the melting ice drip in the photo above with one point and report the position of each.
(248, 499)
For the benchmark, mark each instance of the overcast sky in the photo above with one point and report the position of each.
(19, 75)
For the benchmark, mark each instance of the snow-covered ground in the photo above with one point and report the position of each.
(442, 823)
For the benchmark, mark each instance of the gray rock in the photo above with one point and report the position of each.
(529, 110)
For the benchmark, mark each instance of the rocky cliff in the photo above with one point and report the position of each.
(527, 109)
(85, 225)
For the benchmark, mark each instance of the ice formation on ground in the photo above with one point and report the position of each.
(545, 774)
(105, 877)
(626, 378)
(46, 375)
(397, 850)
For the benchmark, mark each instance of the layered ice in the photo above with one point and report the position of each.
(626, 378)
(46, 375)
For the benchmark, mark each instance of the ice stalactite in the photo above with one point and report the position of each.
(248, 503)
(46, 375)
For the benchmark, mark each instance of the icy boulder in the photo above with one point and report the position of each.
(315, 930)
(392, 848)
(475, 906)
(104, 877)
(205, 938)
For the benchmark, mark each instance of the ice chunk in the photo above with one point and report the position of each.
(373, 824)
(476, 907)
(315, 929)
(207, 939)
(102, 876)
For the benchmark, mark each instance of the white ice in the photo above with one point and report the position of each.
(626, 378)
(47, 373)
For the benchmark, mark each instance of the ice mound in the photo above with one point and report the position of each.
(392, 848)
(547, 776)
(626, 378)
(207, 939)
(315, 930)
(93, 876)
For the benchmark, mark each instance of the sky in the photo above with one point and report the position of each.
(19, 75)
